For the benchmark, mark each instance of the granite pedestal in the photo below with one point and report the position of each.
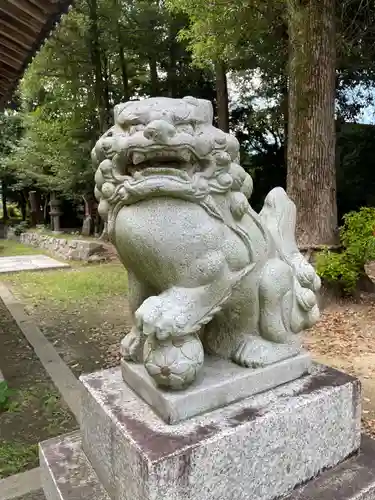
(259, 448)
(220, 383)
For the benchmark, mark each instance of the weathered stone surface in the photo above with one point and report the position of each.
(199, 257)
(28, 263)
(258, 448)
(32, 495)
(64, 248)
(10, 234)
(220, 383)
(353, 479)
(66, 472)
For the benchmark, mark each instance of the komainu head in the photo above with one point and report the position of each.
(170, 137)
(165, 132)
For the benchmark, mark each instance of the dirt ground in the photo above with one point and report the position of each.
(345, 339)
(35, 410)
(83, 312)
(87, 337)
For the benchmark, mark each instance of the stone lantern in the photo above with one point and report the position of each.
(55, 213)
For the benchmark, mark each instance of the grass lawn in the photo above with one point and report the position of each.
(52, 417)
(82, 311)
(70, 286)
(11, 248)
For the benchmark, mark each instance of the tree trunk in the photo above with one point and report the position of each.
(285, 113)
(23, 205)
(284, 91)
(106, 85)
(172, 66)
(35, 211)
(222, 97)
(4, 201)
(94, 47)
(121, 55)
(124, 68)
(154, 80)
(311, 177)
(45, 210)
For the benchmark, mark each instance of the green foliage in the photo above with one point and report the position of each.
(13, 211)
(5, 394)
(15, 457)
(21, 228)
(10, 248)
(215, 32)
(11, 132)
(102, 52)
(142, 48)
(357, 236)
(355, 172)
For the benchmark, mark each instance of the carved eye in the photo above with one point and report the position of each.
(187, 128)
(131, 120)
(136, 128)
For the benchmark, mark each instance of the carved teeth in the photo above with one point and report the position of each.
(138, 158)
(185, 155)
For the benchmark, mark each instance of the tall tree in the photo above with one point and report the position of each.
(222, 100)
(11, 130)
(97, 59)
(98, 56)
(253, 35)
(311, 177)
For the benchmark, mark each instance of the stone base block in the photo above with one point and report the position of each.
(68, 475)
(66, 472)
(220, 383)
(260, 448)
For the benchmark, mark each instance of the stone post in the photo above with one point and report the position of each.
(55, 213)
(88, 222)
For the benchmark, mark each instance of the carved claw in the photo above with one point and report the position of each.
(255, 352)
(131, 348)
(158, 316)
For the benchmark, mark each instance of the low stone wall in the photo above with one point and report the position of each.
(65, 248)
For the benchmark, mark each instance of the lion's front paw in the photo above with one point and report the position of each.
(131, 347)
(160, 317)
(255, 352)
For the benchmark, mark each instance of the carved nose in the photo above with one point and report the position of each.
(159, 131)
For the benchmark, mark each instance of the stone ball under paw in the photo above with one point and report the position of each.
(173, 363)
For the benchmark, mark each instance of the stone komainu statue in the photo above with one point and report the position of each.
(206, 272)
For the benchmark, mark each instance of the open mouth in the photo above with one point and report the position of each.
(159, 157)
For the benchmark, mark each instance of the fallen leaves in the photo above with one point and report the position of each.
(345, 338)
(368, 426)
(346, 333)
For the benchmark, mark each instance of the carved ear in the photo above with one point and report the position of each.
(191, 100)
(207, 110)
(118, 109)
(204, 112)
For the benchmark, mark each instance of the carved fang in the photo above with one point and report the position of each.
(138, 158)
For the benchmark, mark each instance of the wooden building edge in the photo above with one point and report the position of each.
(24, 26)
